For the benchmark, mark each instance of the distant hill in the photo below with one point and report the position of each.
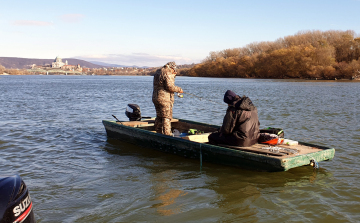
(114, 65)
(23, 63)
(106, 64)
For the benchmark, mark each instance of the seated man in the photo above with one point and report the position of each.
(241, 123)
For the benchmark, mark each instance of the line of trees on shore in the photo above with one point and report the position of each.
(13, 71)
(307, 54)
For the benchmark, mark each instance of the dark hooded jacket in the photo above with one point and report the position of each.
(240, 125)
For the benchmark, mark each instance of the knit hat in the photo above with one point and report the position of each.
(171, 65)
(229, 97)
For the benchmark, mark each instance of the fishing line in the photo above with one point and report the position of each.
(201, 98)
(200, 158)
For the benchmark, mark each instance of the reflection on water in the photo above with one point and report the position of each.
(231, 191)
(52, 135)
(166, 193)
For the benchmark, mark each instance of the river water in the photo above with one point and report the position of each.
(52, 135)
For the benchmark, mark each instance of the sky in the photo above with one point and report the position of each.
(154, 32)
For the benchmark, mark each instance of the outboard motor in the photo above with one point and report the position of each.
(15, 201)
(133, 112)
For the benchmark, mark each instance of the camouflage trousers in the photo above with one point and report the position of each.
(163, 118)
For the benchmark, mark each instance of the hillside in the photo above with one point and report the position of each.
(23, 63)
(112, 65)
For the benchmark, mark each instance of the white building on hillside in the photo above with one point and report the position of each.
(58, 63)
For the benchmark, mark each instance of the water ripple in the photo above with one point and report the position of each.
(52, 135)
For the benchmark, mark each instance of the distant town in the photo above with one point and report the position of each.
(57, 66)
(60, 67)
(23, 66)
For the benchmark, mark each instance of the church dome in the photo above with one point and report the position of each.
(58, 59)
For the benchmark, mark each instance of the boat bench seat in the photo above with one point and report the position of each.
(134, 123)
(153, 120)
(202, 138)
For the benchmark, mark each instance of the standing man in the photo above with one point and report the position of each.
(163, 97)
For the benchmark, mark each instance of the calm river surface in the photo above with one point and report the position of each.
(52, 135)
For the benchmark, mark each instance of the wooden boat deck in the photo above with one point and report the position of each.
(266, 149)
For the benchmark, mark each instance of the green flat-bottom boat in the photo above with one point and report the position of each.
(259, 156)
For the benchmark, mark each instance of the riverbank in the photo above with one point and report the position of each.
(72, 74)
(356, 79)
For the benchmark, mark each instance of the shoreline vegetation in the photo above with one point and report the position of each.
(329, 55)
(315, 55)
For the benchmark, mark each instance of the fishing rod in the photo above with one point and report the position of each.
(117, 120)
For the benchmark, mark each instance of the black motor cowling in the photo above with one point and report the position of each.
(15, 201)
(133, 112)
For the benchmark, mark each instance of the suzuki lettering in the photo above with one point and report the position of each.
(22, 206)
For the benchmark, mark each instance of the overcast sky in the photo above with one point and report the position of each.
(151, 33)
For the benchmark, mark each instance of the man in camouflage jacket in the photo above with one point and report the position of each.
(163, 97)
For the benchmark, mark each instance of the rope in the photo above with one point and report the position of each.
(276, 149)
(200, 158)
(313, 162)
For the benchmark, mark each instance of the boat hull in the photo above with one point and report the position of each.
(210, 153)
